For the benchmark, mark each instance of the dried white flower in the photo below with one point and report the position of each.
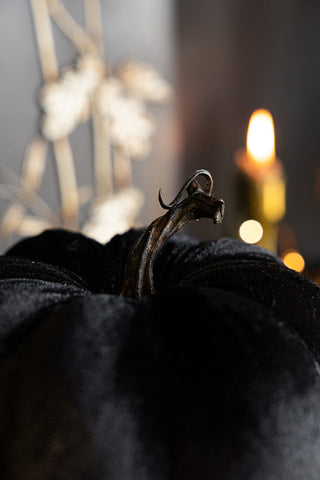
(130, 125)
(142, 80)
(110, 89)
(115, 214)
(67, 102)
(91, 70)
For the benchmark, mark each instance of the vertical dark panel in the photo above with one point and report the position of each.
(238, 55)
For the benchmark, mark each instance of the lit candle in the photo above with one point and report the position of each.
(261, 186)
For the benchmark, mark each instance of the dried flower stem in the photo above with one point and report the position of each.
(34, 162)
(26, 195)
(102, 154)
(122, 169)
(93, 17)
(33, 168)
(45, 40)
(11, 220)
(30, 225)
(67, 182)
(85, 194)
(64, 160)
(70, 28)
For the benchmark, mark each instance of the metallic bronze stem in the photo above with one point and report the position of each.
(199, 203)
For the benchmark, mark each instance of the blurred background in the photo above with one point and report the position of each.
(224, 59)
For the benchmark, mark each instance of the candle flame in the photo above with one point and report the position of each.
(260, 138)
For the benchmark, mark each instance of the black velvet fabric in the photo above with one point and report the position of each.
(216, 376)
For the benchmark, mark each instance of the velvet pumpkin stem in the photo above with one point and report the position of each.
(199, 203)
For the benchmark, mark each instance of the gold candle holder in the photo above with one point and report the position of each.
(261, 184)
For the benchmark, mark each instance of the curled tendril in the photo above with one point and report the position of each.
(190, 186)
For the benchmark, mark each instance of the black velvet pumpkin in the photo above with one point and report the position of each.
(214, 376)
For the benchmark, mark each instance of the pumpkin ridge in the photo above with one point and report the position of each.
(242, 279)
(221, 262)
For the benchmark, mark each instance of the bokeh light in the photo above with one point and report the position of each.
(251, 231)
(294, 260)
